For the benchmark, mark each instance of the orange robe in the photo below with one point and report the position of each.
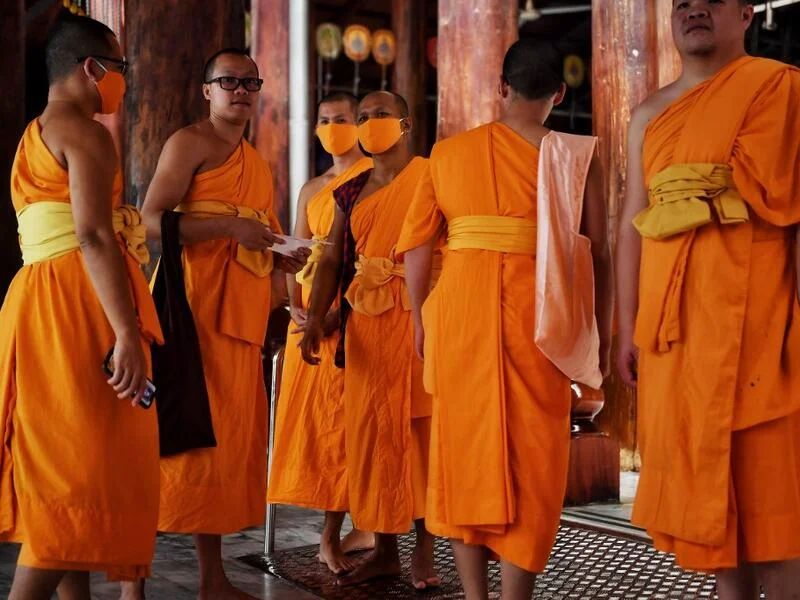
(719, 331)
(500, 431)
(308, 460)
(78, 466)
(221, 490)
(386, 410)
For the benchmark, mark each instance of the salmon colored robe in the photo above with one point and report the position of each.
(500, 431)
(221, 490)
(719, 363)
(308, 460)
(386, 410)
(78, 466)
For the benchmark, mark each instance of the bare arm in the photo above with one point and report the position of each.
(92, 162)
(301, 230)
(180, 158)
(418, 279)
(629, 249)
(594, 225)
(323, 292)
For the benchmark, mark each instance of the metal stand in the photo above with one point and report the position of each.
(277, 368)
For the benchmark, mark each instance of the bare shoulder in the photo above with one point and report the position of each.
(313, 186)
(654, 105)
(190, 145)
(68, 132)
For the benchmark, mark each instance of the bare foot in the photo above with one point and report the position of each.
(223, 590)
(375, 564)
(357, 540)
(330, 553)
(132, 590)
(423, 573)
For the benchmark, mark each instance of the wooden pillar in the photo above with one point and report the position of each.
(12, 116)
(408, 23)
(165, 79)
(632, 58)
(270, 130)
(473, 38)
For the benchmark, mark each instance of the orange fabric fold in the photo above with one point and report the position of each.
(221, 490)
(383, 391)
(64, 466)
(499, 405)
(719, 322)
(308, 460)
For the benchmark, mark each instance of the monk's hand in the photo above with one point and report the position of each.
(312, 337)
(627, 359)
(299, 316)
(293, 263)
(130, 368)
(419, 338)
(331, 323)
(253, 234)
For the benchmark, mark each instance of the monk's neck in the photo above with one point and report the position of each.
(61, 95)
(347, 160)
(697, 69)
(227, 131)
(386, 166)
(527, 117)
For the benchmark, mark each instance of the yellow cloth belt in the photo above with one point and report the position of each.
(305, 276)
(47, 231)
(513, 235)
(257, 262)
(369, 293)
(679, 200)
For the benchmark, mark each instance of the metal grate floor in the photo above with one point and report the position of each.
(584, 564)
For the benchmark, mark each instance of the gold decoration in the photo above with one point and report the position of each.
(357, 40)
(574, 71)
(384, 47)
(329, 41)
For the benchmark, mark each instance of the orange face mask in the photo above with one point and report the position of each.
(337, 138)
(378, 135)
(111, 89)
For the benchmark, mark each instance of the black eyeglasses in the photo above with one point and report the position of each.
(230, 84)
(121, 64)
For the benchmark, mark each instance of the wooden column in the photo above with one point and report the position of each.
(473, 38)
(632, 58)
(167, 44)
(410, 68)
(12, 116)
(270, 129)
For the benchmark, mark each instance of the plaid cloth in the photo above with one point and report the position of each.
(346, 196)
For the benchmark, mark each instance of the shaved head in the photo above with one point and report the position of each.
(533, 69)
(399, 102)
(72, 41)
(211, 63)
(335, 97)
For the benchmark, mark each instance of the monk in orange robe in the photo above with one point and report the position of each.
(78, 457)
(308, 458)
(224, 188)
(386, 410)
(708, 312)
(500, 430)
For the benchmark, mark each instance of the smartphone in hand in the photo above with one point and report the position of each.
(149, 394)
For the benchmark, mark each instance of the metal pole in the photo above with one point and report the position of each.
(299, 149)
(275, 388)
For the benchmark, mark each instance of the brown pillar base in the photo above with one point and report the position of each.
(593, 469)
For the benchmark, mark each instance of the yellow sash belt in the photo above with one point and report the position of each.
(369, 293)
(257, 262)
(512, 235)
(679, 200)
(305, 276)
(47, 231)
